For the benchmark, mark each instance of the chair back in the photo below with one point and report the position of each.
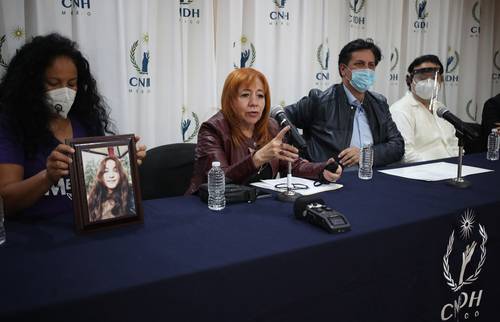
(167, 170)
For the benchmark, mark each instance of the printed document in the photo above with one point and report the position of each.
(433, 171)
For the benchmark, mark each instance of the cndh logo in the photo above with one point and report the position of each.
(452, 62)
(2, 61)
(246, 55)
(496, 61)
(470, 112)
(496, 64)
(476, 13)
(140, 59)
(356, 6)
(279, 16)
(421, 9)
(393, 74)
(186, 123)
(466, 304)
(76, 7)
(323, 59)
(280, 3)
(323, 56)
(17, 34)
(187, 14)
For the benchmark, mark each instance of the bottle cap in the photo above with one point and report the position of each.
(215, 164)
(494, 130)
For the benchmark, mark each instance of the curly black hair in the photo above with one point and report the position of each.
(23, 100)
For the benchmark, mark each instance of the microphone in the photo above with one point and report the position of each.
(459, 125)
(279, 115)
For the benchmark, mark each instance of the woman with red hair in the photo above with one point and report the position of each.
(247, 143)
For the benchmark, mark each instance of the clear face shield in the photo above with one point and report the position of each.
(427, 82)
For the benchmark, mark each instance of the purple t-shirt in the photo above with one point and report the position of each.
(58, 198)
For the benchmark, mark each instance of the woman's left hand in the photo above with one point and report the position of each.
(276, 149)
(140, 150)
(330, 176)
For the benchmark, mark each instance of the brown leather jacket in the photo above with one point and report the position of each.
(215, 144)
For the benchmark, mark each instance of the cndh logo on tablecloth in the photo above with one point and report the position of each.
(140, 58)
(244, 52)
(76, 7)
(471, 244)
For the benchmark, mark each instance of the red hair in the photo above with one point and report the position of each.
(237, 78)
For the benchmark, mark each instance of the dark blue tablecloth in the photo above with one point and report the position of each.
(256, 262)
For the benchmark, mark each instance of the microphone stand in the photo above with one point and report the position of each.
(289, 195)
(459, 182)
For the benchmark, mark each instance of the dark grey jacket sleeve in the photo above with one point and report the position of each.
(391, 147)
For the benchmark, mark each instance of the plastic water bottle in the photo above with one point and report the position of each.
(365, 170)
(216, 187)
(2, 228)
(493, 145)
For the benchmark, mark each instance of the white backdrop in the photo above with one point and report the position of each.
(161, 64)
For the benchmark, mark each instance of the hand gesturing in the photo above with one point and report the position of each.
(276, 148)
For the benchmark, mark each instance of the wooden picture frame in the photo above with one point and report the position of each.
(105, 182)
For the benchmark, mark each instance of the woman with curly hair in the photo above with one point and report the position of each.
(47, 95)
(112, 196)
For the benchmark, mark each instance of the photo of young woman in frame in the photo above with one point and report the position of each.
(108, 183)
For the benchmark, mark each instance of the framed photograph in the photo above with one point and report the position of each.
(105, 182)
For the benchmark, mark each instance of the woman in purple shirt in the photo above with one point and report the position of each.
(46, 96)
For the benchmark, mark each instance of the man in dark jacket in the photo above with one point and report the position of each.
(340, 120)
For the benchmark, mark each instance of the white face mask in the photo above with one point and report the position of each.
(60, 100)
(424, 88)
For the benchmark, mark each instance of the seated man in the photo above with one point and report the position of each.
(426, 135)
(346, 116)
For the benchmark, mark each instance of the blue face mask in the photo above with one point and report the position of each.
(362, 79)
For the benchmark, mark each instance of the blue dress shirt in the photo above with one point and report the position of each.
(361, 133)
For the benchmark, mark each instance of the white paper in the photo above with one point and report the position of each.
(433, 171)
(270, 184)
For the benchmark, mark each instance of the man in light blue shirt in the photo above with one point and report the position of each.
(361, 133)
(339, 121)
